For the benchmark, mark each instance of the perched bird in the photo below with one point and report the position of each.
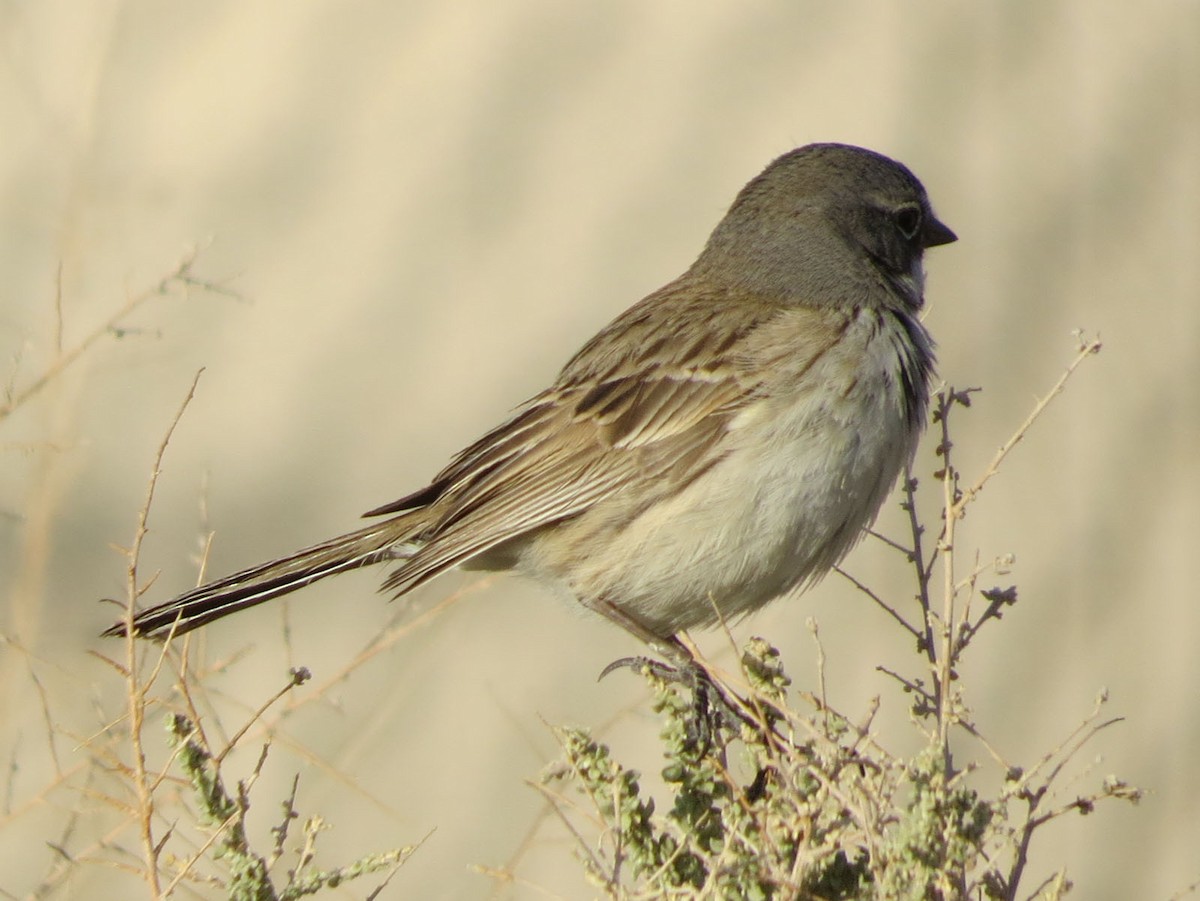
(720, 443)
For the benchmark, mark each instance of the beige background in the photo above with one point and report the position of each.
(425, 208)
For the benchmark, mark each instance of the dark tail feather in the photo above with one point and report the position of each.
(266, 581)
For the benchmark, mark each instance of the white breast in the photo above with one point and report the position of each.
(807, 469)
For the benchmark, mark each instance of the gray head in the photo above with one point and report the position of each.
(824, 223)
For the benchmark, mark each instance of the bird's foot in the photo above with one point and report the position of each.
(714, 707)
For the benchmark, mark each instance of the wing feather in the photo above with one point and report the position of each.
(637, 405)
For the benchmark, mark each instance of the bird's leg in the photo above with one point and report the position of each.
(714, 708)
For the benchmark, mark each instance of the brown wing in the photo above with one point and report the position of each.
(648, 400)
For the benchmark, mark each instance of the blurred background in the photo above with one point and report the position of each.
(422, 210)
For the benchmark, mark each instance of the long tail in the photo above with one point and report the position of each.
(373, 544)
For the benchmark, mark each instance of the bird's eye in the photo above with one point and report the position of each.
(908, 220)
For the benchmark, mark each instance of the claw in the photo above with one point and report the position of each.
(637, 664)
(712, 710)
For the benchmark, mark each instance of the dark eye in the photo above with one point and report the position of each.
(908, 220)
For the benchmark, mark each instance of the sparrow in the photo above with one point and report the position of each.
(722, 443)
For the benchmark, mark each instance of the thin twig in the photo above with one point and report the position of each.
(1087, 348)
(944, 672)
(881, 603)
(299, 676)
(181, 275)
(137, 689)
(924, 572)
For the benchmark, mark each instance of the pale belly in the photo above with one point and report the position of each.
(752, 529)
(799, 482)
